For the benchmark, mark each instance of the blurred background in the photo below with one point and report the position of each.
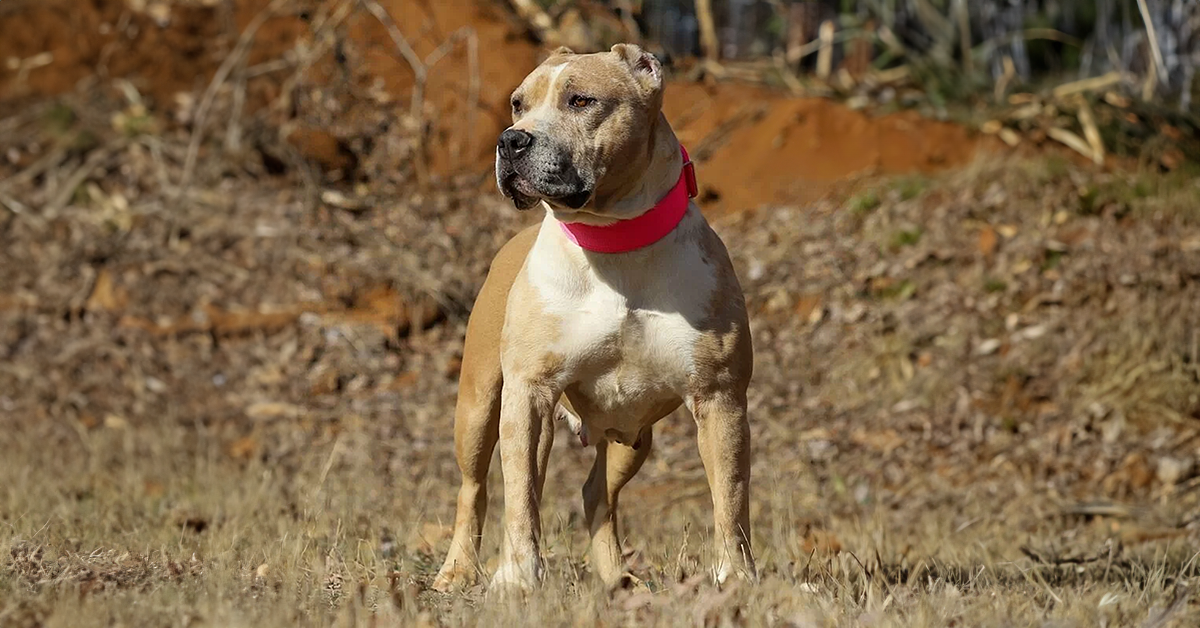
(239, 241)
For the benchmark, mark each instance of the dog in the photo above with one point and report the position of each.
(621, 305)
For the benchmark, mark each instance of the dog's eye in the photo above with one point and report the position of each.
(579, 102)
(516, 105)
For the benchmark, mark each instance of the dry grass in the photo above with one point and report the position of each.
(140, 527)
(908, 471)
(975, 397)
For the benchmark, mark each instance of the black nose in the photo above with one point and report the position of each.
(513, 142)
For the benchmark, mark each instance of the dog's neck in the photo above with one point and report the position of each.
(647, 180)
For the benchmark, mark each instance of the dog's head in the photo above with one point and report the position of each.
(583, 127)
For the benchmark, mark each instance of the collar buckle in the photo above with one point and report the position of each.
(689, 175)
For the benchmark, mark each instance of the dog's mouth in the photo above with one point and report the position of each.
(525, 194)
(513, 186)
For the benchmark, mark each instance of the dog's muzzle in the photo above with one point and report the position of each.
(529, 169)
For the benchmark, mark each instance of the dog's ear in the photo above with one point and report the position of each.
(646, 67)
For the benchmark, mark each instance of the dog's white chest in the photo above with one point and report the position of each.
(627, 327)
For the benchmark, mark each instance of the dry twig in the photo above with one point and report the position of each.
(1159, 66)
(420, 70)
(1072, 141)
(1091, 132)
(825, 56)
(1087, 85)
(210, 94)
(81, 174)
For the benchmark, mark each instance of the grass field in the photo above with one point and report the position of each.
(235, 271)
(975, 403)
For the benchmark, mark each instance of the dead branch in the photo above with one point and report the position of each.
(472, 87)
(1091, 132)
(233, 132)
(708, 30)
(81, 174)
(1087, 85)
(222, 74)
(825, 55)
(1159, 65)
(1037, 557)
(320, 47)
(27, 115)
(13, 204)
(446, 46)
(1072, 141)
(52, 159)
(420, 70)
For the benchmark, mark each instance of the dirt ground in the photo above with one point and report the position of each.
(229, 345)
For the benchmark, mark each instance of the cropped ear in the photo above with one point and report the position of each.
(645, 67)
(545, 56)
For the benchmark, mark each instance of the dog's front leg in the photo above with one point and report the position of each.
(723, 435)
(525, 409)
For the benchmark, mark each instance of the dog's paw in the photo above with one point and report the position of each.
(724, 572)
(453, 577)
(513, 578)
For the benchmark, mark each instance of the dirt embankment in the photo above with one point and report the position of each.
(758, 146)
(754, 146)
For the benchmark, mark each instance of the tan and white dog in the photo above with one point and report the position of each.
(622, 337)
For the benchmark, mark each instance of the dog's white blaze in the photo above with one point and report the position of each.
(545, 110)
(627, 324)
(555, 72)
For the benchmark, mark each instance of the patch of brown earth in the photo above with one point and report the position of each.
(755, 146)
(174, 47)
(164, 47)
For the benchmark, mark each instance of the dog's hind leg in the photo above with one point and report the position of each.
(723, 436)
(615, 465)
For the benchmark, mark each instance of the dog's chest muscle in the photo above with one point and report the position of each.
(627, 332)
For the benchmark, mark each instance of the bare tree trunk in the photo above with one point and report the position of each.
(708, 30)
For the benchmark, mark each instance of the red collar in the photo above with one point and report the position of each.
(630, 235)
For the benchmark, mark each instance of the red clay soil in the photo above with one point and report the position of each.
(767, 147)
(108, 39)
(754, 146)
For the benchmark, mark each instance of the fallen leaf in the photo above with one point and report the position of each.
(809, 308)
(244, 448)
(106, 295)
(988, 347)
(987, 241)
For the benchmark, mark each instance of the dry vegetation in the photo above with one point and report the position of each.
(229, 403)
